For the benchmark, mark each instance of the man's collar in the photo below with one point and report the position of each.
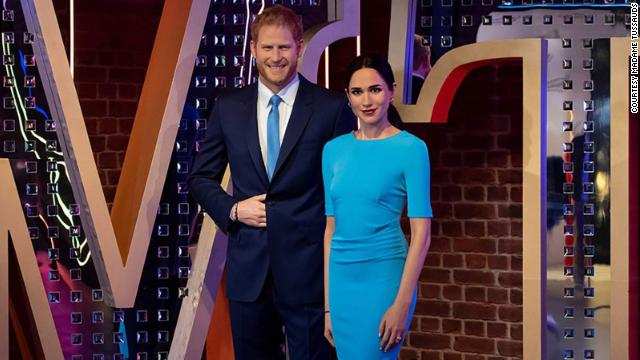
(288, 93)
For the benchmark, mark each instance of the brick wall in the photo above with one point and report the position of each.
(470, 302)
(113, 43)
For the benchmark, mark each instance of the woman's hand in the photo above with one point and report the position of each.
(392, 326)
(328, 330)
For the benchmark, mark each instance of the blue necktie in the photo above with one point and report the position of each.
(273, 135)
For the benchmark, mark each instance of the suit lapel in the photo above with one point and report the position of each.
(300, 115)
(251, 126)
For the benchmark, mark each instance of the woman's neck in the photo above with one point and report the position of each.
(380, 130)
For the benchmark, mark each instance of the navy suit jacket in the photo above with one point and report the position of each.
(291, 246)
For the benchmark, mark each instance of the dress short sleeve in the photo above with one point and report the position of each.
(327, 177)
(418, 181)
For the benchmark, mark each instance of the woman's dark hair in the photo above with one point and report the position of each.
(379, 64)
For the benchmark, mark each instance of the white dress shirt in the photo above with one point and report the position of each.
(288, 95)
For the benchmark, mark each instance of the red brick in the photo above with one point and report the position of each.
(121, 155)
(510, 177)
(510, 348)
(434, 275)
(474, 159)
(435, 193)
(429, 324)
(476, 311)
(107, 126)
(510, 211)
(127, 91)
(498, 228)
(498, 262)
(413, 325)
(112, 177)
(509, 313)
(452, 356)
(474, 344)
(515, 331)
(99, 39)
(474, 211)
(474, 357)
(516, 263)
(452, 159)
(473, 277)
(450, 326)
(498, 159)
(107, 91)
(442, 210)
(496, 329)
(497, 296)
(122, 108)
(515, 296)
(87, 91)
(106, 58)
(510, 279)
(474, 328)
(452, 292)
(452, 260)
(497, 193)
(410, 354)
(137, 59)
(430, 341)
(472, 142)
(440, 244)
(85, 57)
(508, 246)
(103, 177)
(516, 194)
(473, 176)
(91, 74)
(127, 75)
(92, 125)
(510, 141)
(474, 228)
(516, 158)
(98, 144)
(451, 193)
(109, 194)
(440, 176)
(516, 229)
(451, 228)
(125, 125)
(475, 294)
(429, 291)
(432, 259)
(475, 261)
(475, 245)
(433, 308)
(474, 193)
(117, 142)
(93, 107)
(107, 160)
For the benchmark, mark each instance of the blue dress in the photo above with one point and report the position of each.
(367, 184)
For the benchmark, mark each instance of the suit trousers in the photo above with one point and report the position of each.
(259, 328)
